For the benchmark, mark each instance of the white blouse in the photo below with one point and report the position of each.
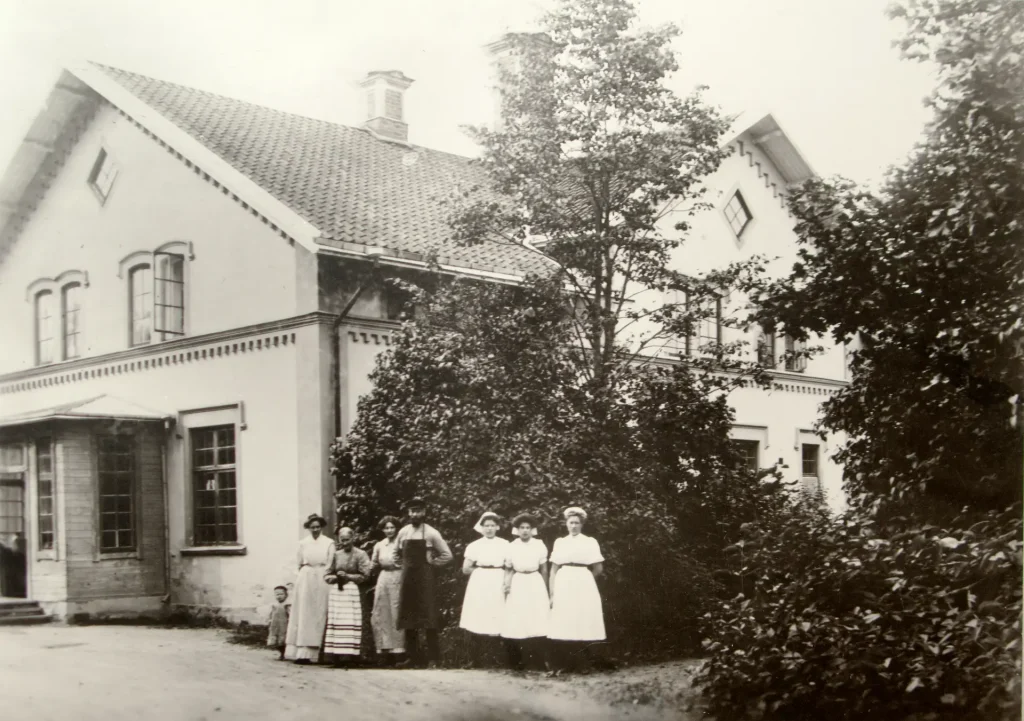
(487, 551)
(576, 549)
(526, 557)
(315, 551)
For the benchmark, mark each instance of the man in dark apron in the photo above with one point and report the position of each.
(418, 549)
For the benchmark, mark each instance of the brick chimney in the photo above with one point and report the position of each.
(506, 58)
(385, 104)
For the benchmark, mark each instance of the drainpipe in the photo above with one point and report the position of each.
(164, 449)
(375, 253)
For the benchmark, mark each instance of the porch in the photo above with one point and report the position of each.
(82, 510)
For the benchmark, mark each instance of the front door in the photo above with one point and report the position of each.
(13, 570)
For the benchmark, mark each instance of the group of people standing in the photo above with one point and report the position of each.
(511, 594)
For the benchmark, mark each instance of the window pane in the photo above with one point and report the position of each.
(44, 327)
(117, 493)
(214, 496)
(141, 284)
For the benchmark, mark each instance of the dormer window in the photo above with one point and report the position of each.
(738, 214)
(104, 172)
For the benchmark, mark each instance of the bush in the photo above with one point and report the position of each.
(839, 619)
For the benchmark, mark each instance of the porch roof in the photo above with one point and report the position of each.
(104, 407)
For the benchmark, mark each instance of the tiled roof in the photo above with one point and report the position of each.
(355, 188)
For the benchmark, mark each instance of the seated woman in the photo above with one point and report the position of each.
(349, 567)
(526, 603)
(576, 614)
(483, 606)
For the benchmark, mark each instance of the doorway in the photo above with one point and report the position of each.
(13, 567)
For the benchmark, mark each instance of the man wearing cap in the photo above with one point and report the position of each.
(418, 548)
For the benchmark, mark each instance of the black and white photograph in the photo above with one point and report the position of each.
(473, 360)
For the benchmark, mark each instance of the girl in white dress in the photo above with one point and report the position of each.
(576, 560)
(483, 606)
(526, 604)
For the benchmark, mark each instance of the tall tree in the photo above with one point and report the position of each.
(592, 154)
(929, 275)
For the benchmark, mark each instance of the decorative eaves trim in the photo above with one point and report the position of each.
(201, 159)
(251, 338)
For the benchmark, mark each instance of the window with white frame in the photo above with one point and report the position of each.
(707, 324)
(117, 493)
(749, 451)
(795, 360)
(140, 305)
(766, 348)
(104, 172)
(810, 473)
(70, 308)
(45, 319)
(737, 214)
(169, 294)
(45, 493)
(214, 486)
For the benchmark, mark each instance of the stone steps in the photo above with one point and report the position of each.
(21, 612)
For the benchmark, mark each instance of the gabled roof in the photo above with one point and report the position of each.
(102, 407)
(330, 187)
(765, 132)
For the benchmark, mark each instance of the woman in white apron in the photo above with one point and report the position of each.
(309, 611)
(527, 604)
(483, 605)
(576, 613)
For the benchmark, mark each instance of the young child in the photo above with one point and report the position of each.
(278, 622)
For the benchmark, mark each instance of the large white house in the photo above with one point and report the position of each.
(174, 355)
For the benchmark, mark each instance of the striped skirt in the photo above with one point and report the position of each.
(344, 621)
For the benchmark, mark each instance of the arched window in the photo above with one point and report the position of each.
(140, 306)
(44, 317)
(70, 305)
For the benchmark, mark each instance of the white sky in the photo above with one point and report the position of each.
(825, 68)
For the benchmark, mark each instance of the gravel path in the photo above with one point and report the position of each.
(122, 673)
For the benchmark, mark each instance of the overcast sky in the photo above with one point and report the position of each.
(825, 68)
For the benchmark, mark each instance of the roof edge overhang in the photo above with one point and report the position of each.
(32, 420)
(766, 133)
(98, 408)
(386, 256)
(250, 192)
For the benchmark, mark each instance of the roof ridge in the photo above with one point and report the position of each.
(112, 69)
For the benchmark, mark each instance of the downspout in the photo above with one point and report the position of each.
(164, 446)
(336, 340)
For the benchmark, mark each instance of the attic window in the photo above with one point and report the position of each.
(737, 213)
(104, 171)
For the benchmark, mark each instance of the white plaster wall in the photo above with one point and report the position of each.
(243, 273)
(267, 451)
(787, 417)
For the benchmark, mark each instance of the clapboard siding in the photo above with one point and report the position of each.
(90, 574)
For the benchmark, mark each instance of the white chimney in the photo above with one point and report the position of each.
(385, 104)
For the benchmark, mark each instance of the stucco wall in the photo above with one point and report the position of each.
(250, 386)
(242, 272)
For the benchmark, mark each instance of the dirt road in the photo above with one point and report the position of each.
(121, 673)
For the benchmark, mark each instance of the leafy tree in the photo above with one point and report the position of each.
(479, 405)
(592, 155)
(928, 274)
(910, 606)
